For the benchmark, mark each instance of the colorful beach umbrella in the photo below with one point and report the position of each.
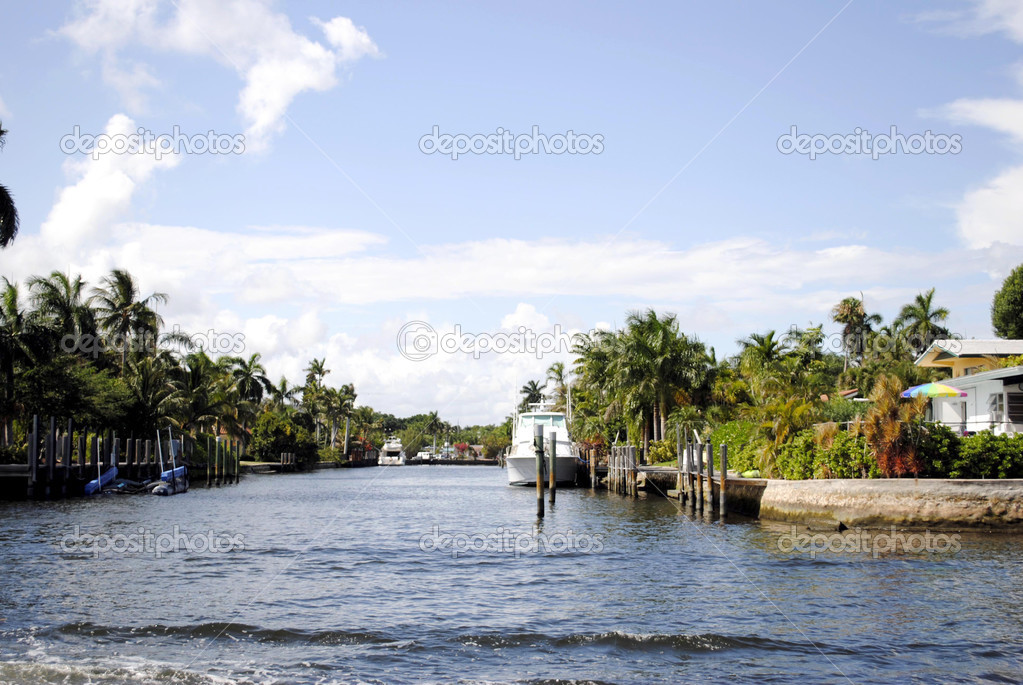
(933, 390)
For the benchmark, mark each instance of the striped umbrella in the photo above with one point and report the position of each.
(933, 390)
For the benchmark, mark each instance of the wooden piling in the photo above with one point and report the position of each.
(538, 448)
(82, 442)
(593, 468)
(698, 454)
(710, 476)
(209, 469)
(722, 507)
(552, 438)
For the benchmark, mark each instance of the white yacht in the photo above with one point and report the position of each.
(392, 454)
(521, 460)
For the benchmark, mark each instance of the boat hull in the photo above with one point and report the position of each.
(522, 469)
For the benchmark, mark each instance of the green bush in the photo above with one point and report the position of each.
(744, 444)
(986, 455)
(939, 449)
(846, 457)
(10, 454)
(336, 454)
(662, 451)
(796, 459)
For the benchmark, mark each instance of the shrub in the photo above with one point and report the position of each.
(744, 444)
(939, 449)
(662, 451)
(846, 457)
(796, 459)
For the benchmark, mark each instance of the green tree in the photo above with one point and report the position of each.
(921, 321)
(856, 327)
(1007, 307)
(8, 212)
(122, 313)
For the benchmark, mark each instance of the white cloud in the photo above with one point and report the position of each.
(991, 214)
(980, 18)
(275, 62)
(4, 112)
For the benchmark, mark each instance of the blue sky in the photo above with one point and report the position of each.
(333, 230)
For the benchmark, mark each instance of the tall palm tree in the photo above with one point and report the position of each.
(856, 326)
(60, 298)
(249, 376)
(282, 395)
(557, 378)
(532, 393)
(921, 320)
(121, 312)
(23, 339)
(8, 212)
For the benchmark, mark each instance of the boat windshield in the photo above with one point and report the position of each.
(527, 421)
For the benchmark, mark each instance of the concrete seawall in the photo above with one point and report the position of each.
(905, 502)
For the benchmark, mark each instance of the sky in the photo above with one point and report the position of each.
(435, 196)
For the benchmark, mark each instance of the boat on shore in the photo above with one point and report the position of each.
(392, 454)
(521, 460)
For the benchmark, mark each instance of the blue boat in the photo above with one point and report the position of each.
(172, 473)
(96, 484)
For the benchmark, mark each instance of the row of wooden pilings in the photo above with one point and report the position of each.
(696, 485)
(61, 460)
(623, 471)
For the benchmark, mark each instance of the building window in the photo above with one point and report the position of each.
(1014, 406)
(996, 409)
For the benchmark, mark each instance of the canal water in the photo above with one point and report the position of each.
(437, 574)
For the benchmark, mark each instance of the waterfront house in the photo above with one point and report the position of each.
(994, 401)
(966, 357)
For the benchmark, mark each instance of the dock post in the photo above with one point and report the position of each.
(722, 508)
(552, 438)
(81, 453)
(148, 456)
(538, 449)
(51, 456)
(593, 468)
(115, 454)
(710, 477)
(209, 471)
(698, 454)
(69, 441)
(678, 456)
(94, 454)
(33, 456)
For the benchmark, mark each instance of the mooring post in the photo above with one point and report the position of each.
(68, 448)
(51, 455)
(538, 448)
(593, 468)
(722, 508)
(698, 454)
(33, 456)
(678, 456)
(710, 476)
(81, 453)
(209, 470)
(552, 437)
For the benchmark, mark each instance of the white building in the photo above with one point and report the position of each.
(994, 395)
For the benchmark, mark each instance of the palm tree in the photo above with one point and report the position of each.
(122, 314)
(8, 212)
(23, 339)
(532, 393)
(151, 382)
(61, 299)
(556, 377)
(250, 377)
(856, 325)
(282, 395)
(920, 320)
(889, 427)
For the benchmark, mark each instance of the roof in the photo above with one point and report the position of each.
(948, 349)
(1008, 375)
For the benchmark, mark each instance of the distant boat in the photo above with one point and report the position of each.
(521, 460)
(391, 454)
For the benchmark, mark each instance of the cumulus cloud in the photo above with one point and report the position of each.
(275, 62)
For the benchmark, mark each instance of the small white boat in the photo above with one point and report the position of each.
(521, 460)
(392, 454)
